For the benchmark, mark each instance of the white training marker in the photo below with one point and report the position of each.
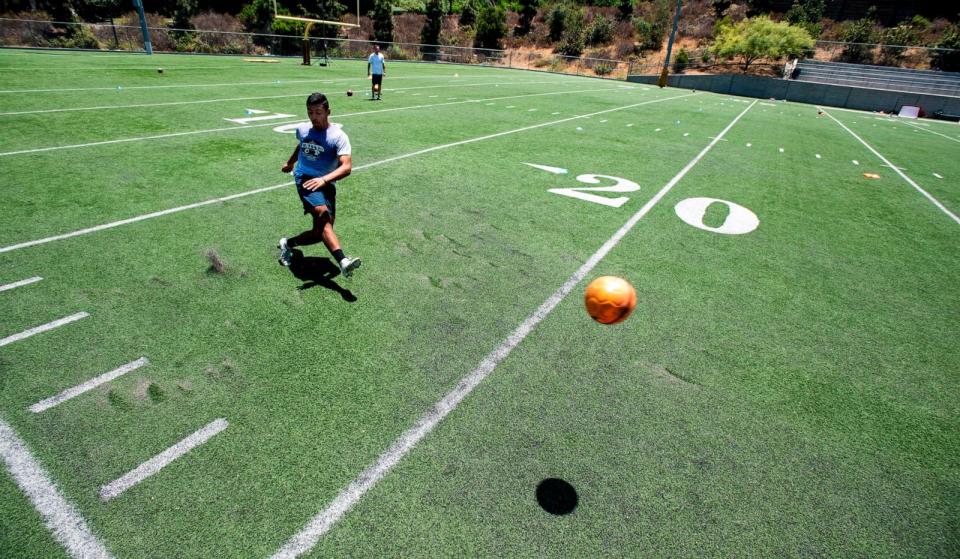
(555, 113)
(938, 175)
(531, 110)
(780, 149)
(658, 129)
(749, 144)
(20, 283)
(432, 96)
(69, 393)
(510, 106)
(685, 134)
(817, 155)
(602, 121)
(629, 125)
(855, 162)
(42, 328)
(489, 104)
(158, 462)
(579, 128)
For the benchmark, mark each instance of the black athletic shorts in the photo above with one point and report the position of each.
(377, 79)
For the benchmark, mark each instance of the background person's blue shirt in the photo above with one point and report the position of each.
(320, 150)
(376, 63)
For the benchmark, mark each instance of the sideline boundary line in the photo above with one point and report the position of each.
(59, 514)
(896, 169)
(113, 224)
(320, 524)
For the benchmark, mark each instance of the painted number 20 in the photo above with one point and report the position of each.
(583, 192)
(739, 220)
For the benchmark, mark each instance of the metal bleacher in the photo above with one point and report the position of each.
(880, 77)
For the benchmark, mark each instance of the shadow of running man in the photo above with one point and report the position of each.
(314, 271)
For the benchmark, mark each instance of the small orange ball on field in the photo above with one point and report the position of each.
(610, 299)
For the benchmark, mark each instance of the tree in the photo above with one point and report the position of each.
(571, 44)
(860, 34)
(894, 39)
(947, 61)
(759, 37)
(468, 15)
(491, 27)
(600, 31)
(382, 22)
(430, 32)
(624, 10)
(556, 19)
(528, 10)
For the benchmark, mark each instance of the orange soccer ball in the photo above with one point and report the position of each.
(610, 299)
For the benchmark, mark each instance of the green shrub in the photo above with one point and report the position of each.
(680, 61)
(602, 69)
(600, 32)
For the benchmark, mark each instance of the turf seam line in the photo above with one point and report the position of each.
(244, 127)
(897, 170)
(160, 213)
(225, 100)
(158, 462)
(75, 391)
(20, 283)
(43, 328)
(320, 524)
(59, 514)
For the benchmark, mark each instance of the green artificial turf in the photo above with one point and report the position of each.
(791, 391)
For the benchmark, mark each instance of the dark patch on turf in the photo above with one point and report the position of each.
(716, 214)
(117, 400)
(217, 265)
(556, 496)
(156, 393)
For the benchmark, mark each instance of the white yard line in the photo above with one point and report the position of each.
(20, 283)
(152, 215)
(272, 82)
(320, 524)
(59, 514)
(910, 181)
(69, 393)
(158, 462)
(918, 127)
(230, 99)
(43, 328)
(243, 127)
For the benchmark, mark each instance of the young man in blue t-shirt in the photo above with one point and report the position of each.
(322, 158)
(376, 68)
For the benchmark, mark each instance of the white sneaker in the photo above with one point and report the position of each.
(286, 255)
(348, 265)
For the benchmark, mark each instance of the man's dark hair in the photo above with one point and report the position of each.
(318, 99)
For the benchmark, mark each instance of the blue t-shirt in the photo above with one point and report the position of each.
(320, 150)
(376, 63)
